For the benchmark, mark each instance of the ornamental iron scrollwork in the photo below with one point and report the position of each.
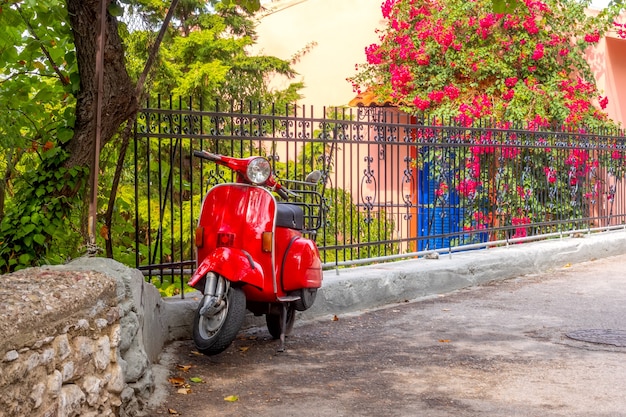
(368, 201)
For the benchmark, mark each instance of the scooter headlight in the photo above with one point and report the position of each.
(258, 170)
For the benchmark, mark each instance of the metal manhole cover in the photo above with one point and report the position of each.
(602, 336)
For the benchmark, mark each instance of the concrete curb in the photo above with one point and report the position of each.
(361, 288)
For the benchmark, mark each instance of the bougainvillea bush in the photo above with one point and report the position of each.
(458, 62)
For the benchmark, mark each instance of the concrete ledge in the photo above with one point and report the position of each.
(360, 288)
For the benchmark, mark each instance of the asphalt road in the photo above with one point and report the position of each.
(499, 349)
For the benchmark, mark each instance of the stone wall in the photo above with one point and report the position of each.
(73, 340)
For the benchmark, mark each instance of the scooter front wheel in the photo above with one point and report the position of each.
(213, 334)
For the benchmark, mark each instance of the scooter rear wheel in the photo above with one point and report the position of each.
(213, 334)
(307, 298)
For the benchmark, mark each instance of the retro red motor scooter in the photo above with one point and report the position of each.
(254, 253)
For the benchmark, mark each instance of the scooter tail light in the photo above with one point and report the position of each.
(225, 239)
(266, 241)
(199, 237)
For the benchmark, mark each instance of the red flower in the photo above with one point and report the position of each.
(451, 91)
(386, 7)
(550, 175)
(421, 104)
(510, 82)
(603, 102)
(538, 54)
(508, 96)
(373, 55)
(592, 37)
(436, 96)
(530, 25)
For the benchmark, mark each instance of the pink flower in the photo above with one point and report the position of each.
(564, 52)
(387, 7)
(508, 96)
(451, 91)
(538, 53)
(604, 102)
(443, 189)
(592, 37)
(436, 96)
(401, 78)
(530, 25)
(550, 175)
(373, 55)
(510, 82)
(487, 21)
(510, 152)
(421, 104)
(468, 187)
(520, 231)
(423, 59)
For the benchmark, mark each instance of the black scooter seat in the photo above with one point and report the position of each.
(289, 215)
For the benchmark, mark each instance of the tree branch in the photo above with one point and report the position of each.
(63, 78)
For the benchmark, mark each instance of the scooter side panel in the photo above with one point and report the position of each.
(302, 267)
(236, 216)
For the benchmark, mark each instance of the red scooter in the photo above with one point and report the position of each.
(254, 253)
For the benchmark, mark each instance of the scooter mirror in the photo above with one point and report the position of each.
(314, 177)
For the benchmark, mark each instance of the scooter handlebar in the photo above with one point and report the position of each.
(207, 155)
(282, 193)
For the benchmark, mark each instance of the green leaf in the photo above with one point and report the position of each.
(504, 6)
(28, 228)
(196, 379)
(39, 238)
(115, 10)
(25, 258)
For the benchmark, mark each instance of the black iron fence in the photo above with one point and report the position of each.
(394, 185)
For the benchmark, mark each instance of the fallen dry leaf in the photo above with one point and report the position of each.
(195, 352)
(231, 398)
(444, 340)
(184, 391)
(567, 265)
(176, 381)
(184, 368)
(244, 348)
(172, 412)
(335, 318)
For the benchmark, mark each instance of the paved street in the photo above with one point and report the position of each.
(500, 349)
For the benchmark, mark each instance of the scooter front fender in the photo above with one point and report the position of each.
(235, 265)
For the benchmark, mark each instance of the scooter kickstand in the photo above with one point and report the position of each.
(283, 326)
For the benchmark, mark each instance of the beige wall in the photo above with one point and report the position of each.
(341, 28)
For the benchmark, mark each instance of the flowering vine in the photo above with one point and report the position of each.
(457, 59)
(458, 62)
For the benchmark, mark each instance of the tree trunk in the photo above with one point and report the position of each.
(119, 100)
